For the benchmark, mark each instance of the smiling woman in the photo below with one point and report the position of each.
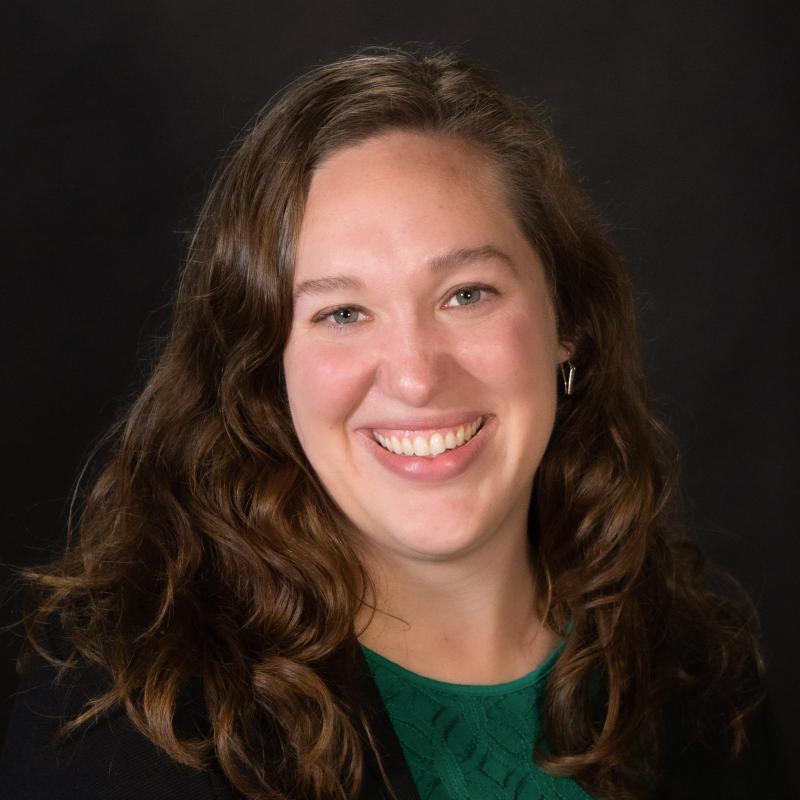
(391, 517)
(421, 223)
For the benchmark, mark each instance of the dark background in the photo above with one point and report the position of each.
(677, 117)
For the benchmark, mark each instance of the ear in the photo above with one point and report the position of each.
(566, 350)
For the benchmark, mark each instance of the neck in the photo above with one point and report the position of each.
(474, 619)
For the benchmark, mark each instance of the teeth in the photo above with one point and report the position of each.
(431, 447)
(421, 447)
(437, 444)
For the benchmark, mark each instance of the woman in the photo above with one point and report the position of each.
(391, 517)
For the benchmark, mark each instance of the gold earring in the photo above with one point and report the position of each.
(567, 378)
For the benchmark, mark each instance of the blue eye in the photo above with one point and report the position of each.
(470, 294)
(344, 316)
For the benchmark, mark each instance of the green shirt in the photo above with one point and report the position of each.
(466, 742)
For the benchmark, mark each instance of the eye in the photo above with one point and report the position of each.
(340, 317)
(468, 295)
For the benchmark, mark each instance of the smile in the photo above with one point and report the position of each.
(427, 443)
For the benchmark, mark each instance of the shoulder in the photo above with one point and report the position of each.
(106, 759)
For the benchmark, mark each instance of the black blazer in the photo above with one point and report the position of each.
(110, 760)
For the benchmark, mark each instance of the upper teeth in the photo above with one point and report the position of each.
(410, 444)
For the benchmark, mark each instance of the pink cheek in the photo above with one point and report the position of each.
(329, 382)
(509, 356)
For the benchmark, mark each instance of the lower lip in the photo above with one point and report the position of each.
(443, 467)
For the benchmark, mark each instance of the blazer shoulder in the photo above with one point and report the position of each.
(107, 758)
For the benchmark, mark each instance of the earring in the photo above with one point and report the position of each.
(567, 378)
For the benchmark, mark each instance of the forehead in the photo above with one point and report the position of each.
(403, 197)
(451, 156)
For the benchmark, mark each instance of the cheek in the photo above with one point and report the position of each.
(324, 384)
(515, 355)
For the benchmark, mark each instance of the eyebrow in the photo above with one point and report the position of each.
(437, 265)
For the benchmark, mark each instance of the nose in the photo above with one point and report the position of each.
(412, 363)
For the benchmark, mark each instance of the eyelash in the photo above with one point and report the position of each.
(325, 315)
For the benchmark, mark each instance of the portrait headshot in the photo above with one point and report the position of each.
(393, 413)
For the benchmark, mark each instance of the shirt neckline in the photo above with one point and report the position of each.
(533, 678)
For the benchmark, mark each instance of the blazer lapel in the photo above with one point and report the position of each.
(352, 680)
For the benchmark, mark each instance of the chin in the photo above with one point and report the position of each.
(432, 542)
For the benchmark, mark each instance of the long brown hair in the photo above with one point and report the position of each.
(207, 550)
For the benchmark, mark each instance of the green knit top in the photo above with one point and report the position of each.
(466, 742)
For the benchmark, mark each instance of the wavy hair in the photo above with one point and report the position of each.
(207, 550)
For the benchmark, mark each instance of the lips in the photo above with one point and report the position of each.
(426, 468)
(428, 443)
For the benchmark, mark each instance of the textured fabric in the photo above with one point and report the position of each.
(476, 742)
(111, 760)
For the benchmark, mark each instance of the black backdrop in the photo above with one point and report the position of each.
(676, 115)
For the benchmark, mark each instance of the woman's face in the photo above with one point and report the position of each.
(421, 312)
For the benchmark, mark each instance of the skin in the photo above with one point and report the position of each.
(455, 594)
